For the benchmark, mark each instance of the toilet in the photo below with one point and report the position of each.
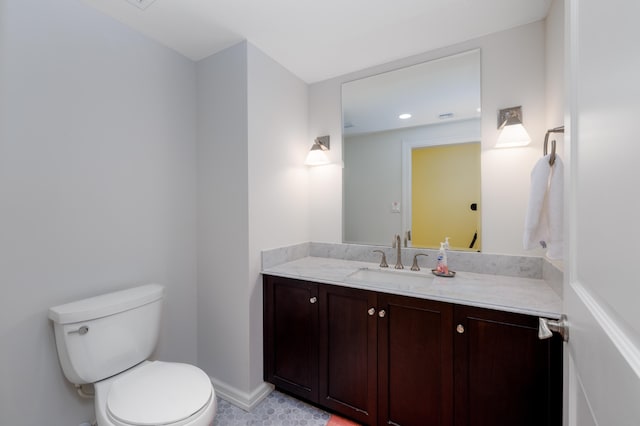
(106, 341)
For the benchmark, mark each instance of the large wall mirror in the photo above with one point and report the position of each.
(411, 141)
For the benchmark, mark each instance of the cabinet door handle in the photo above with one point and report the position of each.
(313, 300)
(382, 313)
(546, 328)
(371, 311)
(460, 328)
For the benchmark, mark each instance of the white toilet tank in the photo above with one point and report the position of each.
(104, 335)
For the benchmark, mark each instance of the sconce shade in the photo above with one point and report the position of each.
(317, 155)
(512, 132)
(513, 135)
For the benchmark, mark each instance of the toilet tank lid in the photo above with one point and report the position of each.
(106, 304)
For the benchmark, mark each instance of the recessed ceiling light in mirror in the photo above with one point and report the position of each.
(404, 116)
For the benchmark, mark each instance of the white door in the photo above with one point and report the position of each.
(602, 273)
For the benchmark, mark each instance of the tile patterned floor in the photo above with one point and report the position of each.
(277, 409)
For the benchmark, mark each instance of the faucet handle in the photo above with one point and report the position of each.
(414, 266)
(383, 261)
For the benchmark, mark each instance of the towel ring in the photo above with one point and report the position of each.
(552, 158)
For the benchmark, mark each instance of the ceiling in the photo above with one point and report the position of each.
(321, 39)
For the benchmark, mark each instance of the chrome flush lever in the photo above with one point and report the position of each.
(546, 327)
(81, 331)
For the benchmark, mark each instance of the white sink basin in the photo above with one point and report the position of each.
(391, 277)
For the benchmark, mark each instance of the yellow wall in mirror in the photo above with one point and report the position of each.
(444, 183)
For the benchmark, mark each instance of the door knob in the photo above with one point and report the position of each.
(460, 328)
(371, 311)
(382, 313)
(313, 300)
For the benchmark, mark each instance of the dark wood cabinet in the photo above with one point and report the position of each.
(383, 359)
(504, 374)
(291, 336)
(348, 352)
(415, 361)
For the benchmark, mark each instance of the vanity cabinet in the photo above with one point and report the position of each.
(504, 374)
(381, 359)
(291, 336)
(415, 361)
(348, 352)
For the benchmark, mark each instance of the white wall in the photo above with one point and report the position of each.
(555, 69)
(513, 68)
(278, 179)
(252, 190)
(223, 235)
(97, 189)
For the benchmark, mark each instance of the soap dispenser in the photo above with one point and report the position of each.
(442, 267)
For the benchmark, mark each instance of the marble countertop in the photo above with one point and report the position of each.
(521, 295)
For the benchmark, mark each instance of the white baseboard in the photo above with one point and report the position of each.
(244, 400)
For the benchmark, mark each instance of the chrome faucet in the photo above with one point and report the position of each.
(399, 255)
(414, 266)
(383, 261)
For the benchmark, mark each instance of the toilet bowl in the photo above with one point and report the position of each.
(156, 393)
(106, 340)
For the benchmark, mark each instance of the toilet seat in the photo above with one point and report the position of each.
(159, 393)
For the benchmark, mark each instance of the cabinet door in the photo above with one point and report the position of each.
(291, 336)
(415, 362)
(505, 375)
(348, 352)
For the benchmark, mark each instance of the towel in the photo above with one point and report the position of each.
(543, 222)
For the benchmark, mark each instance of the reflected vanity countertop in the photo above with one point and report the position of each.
(512, 294)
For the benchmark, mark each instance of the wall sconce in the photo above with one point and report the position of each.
(317, 155)
(512, 132)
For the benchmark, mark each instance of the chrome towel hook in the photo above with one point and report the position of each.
(552, 158)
